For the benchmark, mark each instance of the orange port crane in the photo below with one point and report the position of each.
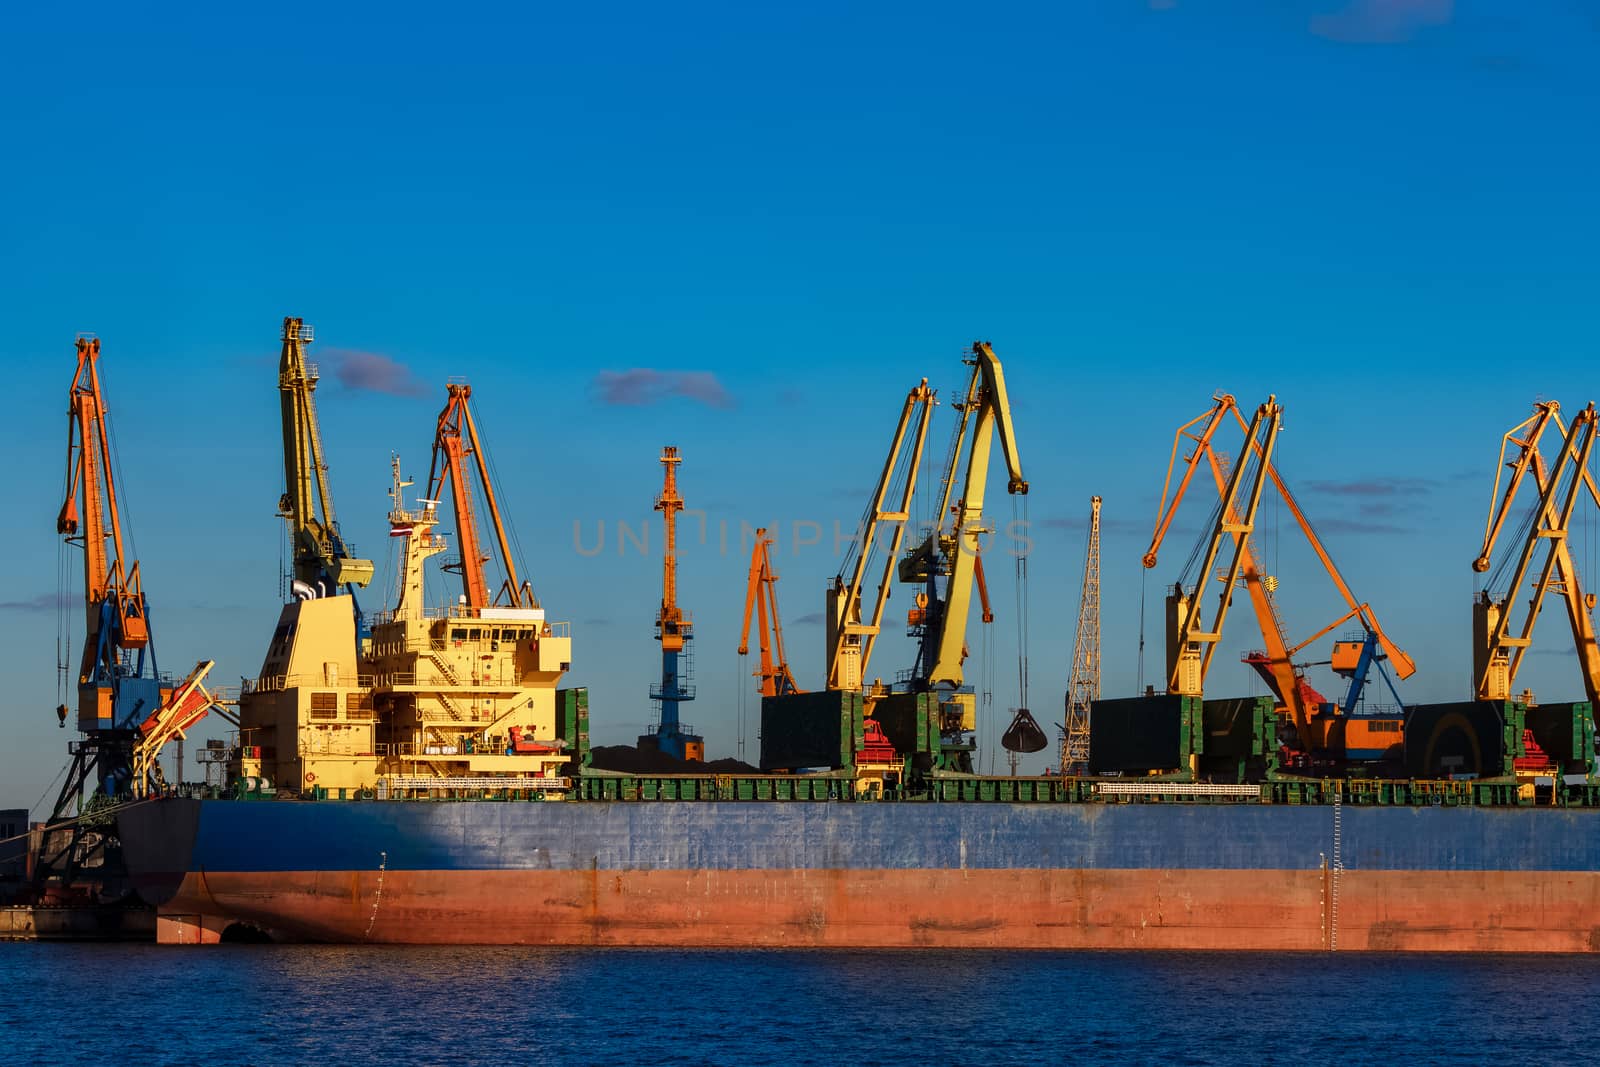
(455, 438)
(127, 712)
(1499, 644)
(761, 607)
(117, 622)
(1190, 648)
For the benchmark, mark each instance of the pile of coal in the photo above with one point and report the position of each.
(629, 760)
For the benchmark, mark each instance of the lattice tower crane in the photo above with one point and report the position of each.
(1083, 686)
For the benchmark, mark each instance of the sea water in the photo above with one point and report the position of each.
(283, 1004)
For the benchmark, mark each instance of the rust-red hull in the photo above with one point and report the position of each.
(1434, 911)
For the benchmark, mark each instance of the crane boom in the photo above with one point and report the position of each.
(456, 437)
(1498, 652)
(985, 412)
(761, 607)
(1189, 648)
(108, 578)
(850, 640)
(322, 560)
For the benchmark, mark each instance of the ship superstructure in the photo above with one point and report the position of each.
(463, 691)
(465, 696)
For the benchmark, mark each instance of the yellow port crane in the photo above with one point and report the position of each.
(850, 634)
(455, 438)
(323, 562)
(1499, 645)
(761, 607)
(951, 550)
(1191, 646)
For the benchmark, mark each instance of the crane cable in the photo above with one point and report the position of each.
(1143, 573)
(481, 505)
(986, 704)
(1022, 602)
(63, 620)
(742, 687)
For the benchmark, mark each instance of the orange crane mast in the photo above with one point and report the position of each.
(455, 438)
(674, 630)
(108, 580)
(761, 607)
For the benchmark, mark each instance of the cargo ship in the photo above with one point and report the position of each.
(423, 774)
(1160, 872)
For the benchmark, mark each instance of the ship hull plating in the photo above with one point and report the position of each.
(858, 874)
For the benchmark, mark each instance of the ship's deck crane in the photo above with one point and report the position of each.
(674, 629)
(850, 634)
(951, 551)
(323, 561)
(1308, 711)
(761, 607)
(456, 438)
(1083, 685)
(1499, 645)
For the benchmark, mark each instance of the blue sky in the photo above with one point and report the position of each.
(747, 230)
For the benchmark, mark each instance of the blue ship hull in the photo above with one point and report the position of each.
(1065, 875)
